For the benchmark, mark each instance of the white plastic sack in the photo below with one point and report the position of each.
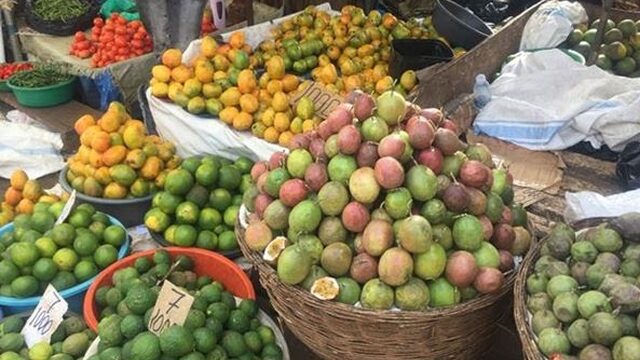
(546, 101)
(27, 147)
(588, 204)
(551, 24)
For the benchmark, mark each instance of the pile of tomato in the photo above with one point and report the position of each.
(112, 40)
(8, 69)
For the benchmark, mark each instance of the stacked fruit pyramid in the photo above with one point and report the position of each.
(385, 206)
(21, 196)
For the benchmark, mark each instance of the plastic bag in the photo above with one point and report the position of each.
(588, 204)
(126, 8)
(551, 24)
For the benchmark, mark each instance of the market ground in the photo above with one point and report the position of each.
(506, 346)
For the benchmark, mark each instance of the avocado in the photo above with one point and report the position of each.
(584, 49)
(610, 24)
(603, 62)
(575, 37)
(613, 35)
(616, 51)
(590, 36)
(627, 27)
(625, 66)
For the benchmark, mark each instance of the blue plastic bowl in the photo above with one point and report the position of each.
(73, 295)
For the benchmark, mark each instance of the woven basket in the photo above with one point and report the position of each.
(632, 5)
(520, 311)
(338, 331)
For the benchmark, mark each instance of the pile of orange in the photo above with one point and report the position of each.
(117, 158)
(21, 196)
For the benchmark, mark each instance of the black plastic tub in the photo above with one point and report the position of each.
(458, 25)
(130, 212)
(415, 54)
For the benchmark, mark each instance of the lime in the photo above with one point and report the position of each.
(156, 220)
(22, 221)
(220, 199)
(46, 247)
(227, 241)
(41, 207)
(215, 325)
(7, 239)
(203, 280)
(230, 215)
(8, 272)
(237, 200)
(349, 291)
(198, 195)
(87, 208)
(219, 311)
(207, 174)
(40, 351)
(56, 208)
(66, 259)
(191, 163)
(205, 340)
(105, 255)
(253, 341)
(161, 257)
(271, 351)
(249, 307)
(132, 325)
(238, 321)
(179, 181)
(229, 177)
(170, 233)
(42, 221)
(254, 324)
(233, 343)
(101, 295)
(45, 269)
(185, 235)
(176, 341)
(24, 254)
(85, 243)
(79, 218)
(187, 213)
(5, 290)
(97, 228)
(195, 319)
(139, 299)
(145, 346)
(218, 353)
(73, 324)
(28, 235)
(184, 262)
(245, 184)
(207, 240)
(266, 334)
(167, 202)
(63, 234)
(12, 324)
(24, 286)
(142, 264)
(113, 297)
(211, 293)
(209, 218)
(101, 217)
(63, 280)
(114, 235)
(85, 270)
(244, 164)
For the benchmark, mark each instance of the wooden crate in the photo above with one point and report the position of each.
(445, 82)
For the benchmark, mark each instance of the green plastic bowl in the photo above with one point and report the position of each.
(3, 86)
(45, 96)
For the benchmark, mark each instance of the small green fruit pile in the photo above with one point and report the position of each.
(584, 295)
(216, 327)
(39, 253)
(620, 50)
(200, 203)
(70, 340)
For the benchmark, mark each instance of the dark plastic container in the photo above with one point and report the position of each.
(129, 211)
(458, 25)
(62, 28)
(415, 54)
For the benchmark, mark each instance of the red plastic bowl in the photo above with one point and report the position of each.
(205, 262)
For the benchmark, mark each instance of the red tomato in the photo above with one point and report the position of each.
(98, 21)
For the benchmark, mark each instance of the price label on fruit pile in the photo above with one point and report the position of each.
(171, 308)
(322, 99)
(46, 317)
(68, 206)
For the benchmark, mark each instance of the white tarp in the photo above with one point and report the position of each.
(194, 135)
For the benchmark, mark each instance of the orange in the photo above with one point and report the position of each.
(101, 141)
(307, 126)
(268, 116)
(114, 155)
(204, 72)
(236, 40)
(228, 114)
(18, 179)
(280, 102)
(249, 103)
(95, 159)
(271, 134)
(285, 138)
(264, 97)
(102, 175)
(290, 83)
(32, 190)
(109, 122)
(242, 121)
(25, 206)
(12, 196)
(275, 67)
(274, 86)
(161, 73)
(230, 97)
(208, 46)
(160, 90)
(281, 121)
(181, 73)
(246, 81)
(83, 123)
(172, 58)
(151, 168)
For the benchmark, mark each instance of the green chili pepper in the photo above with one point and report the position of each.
(60, 10)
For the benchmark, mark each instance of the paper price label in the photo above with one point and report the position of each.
(46, 317)
(323, 100)
(93, 349)
(171, 308)
(66, 210)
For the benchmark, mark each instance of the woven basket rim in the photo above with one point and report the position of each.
(520, 312)
(346, 310)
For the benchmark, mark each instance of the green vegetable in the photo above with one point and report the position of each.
(60, 10)
(42, 75)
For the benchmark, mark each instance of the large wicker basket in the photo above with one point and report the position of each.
(337, 331)
(520, 312)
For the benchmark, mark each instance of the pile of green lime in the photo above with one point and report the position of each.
(215, 328)
(69, 342)
(39, 253)
(200, 203)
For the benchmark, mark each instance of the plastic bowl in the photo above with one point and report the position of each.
(458, 25)
(205, 262)
(45, 96)
(3, 86)
(129, 211)
(73, 295)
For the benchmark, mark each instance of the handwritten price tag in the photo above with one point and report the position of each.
(46, 317)
(66, 210)
(323, 100)
(171, 308)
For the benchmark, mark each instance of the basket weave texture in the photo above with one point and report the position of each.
(60, 28)
(338, 331)
(520, 312)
